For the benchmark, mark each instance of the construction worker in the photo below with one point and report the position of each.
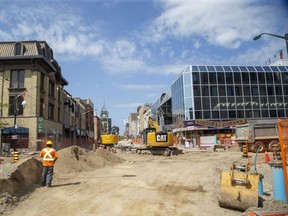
(49, 156)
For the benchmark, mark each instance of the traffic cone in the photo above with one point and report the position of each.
(267, 158)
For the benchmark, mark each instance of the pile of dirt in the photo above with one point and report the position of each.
(17, 180)
(20, 178)
(77, 159)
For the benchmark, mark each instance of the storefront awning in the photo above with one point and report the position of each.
(11, 130)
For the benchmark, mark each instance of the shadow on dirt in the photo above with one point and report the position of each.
(66, 184)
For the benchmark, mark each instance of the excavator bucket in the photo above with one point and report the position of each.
(239, 190)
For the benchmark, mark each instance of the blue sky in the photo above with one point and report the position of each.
(127, 52)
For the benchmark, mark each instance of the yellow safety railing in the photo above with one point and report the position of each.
(283, 138)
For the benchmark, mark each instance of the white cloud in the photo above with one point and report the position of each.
(196, 44)
(59, 26)
(223, 22)
(184, 54)
(258, 56)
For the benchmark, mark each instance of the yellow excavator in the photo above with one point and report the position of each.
(155, 138)
(157, 142)
(110, 140)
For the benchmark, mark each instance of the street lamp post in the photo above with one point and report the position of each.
(15, 116)
(285, 37)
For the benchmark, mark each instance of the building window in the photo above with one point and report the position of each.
(213, 91)
(230, 91)
(223, 114)
(207, 115)
(261, 77)
(238, 90)
(18, 49)
(205, 90)
(42, 82)
(265, 113)
(253, 77)
(247, 91)
(17, 103)
(198, 104)
(198, 115)
(222, 91)
(263, 90)
(220, 77)
(245, 78)
(212, 78)
(273, 113)
(51, 89)
(195, 77)
(17, 79)
(51, 111)
(215, 114)
(255, 90)
(240, 114)
(196, 90)
(270, 90)
(204, 77)
(206, 103)
(269, 78)
(229, 78)
(278, 90)
(237, 78)
(232, 114)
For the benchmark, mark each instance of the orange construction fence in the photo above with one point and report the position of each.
(283, 138)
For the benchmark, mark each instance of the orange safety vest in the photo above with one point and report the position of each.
(49, 155)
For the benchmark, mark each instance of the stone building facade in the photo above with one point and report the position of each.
(34, 105)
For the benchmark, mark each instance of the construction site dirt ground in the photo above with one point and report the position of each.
(100, 183)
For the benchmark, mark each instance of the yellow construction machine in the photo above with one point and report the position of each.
(109, 140)
(157, 142)
(239, 188)
(155, 138)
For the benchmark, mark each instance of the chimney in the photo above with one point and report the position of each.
(281, 54)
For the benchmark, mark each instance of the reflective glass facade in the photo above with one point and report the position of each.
(230, 92)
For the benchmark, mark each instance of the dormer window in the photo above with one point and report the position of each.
(18, 49)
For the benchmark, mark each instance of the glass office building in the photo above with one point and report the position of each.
(161, 112)
(230, 92)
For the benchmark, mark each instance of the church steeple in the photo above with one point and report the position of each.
(104, 109)
(105, 121)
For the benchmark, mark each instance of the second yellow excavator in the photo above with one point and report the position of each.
(110, 140)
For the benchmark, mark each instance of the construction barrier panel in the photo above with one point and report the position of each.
(283, 138)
